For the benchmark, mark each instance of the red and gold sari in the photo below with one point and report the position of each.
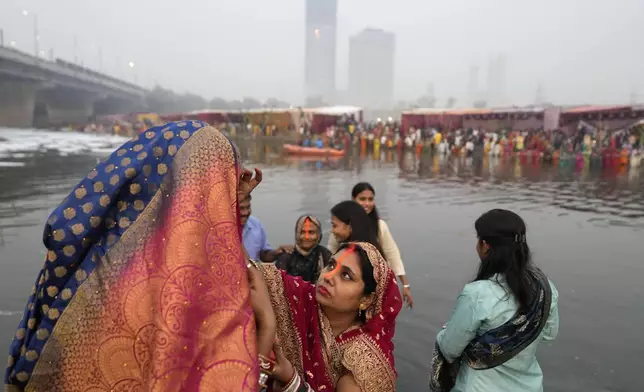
(308, 341)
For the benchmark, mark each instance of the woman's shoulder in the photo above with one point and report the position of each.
(481, 289)
(554, 291)
(495, 287)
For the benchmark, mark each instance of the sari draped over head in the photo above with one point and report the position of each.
(144, 286)
(498, 345)
(306, 264)
(308, 342)
(299, 225)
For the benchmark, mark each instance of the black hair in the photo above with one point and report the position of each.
(366, 267)
(248, 199)
(504, 232)
(375, 217)
(352, 214)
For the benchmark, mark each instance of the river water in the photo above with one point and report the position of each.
(585, 228)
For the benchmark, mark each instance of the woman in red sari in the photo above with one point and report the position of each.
(336, 335)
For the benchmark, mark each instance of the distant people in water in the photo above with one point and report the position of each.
(491, 339)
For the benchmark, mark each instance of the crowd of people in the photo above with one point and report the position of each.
(543, 145)
(158, 277)
(118, 128)
(586, 146)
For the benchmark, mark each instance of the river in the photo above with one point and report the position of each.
(585, 228)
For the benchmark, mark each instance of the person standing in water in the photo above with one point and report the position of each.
(500, 318)
(364, 194)
(308, 257)
(254, 236)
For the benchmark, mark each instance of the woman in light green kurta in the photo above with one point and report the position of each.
(491, 339)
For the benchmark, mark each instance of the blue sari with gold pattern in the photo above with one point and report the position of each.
(82, 235)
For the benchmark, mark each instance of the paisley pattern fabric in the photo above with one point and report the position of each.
(497, 345)
(307, 339)
(144, 286)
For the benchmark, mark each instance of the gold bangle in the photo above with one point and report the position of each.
(252, 263)
(266, 365)
(295, 379)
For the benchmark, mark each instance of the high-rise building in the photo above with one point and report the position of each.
(496, 76)
(372, 55)
(473, 85)
(321, 26)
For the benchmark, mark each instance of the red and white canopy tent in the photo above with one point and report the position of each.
(324, 117)
(431, 118)
(524, 118)
(610, 118)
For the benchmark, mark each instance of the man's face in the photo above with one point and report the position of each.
(244, 211)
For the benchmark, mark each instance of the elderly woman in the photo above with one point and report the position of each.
(308, 257)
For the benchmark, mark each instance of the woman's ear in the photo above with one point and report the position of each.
(368, 305)
(486, 247)
(368, 301)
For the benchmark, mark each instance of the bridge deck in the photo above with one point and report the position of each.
(17, 64)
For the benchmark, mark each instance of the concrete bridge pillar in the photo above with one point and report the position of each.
(17, 103)
(65, 107)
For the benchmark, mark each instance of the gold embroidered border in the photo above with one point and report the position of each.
(370, 368)
(331, 350)
(287, 331)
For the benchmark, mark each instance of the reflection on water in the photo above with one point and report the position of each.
(584, 231)
(614, 196)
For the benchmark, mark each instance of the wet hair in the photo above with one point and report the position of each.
(373, 215)
(508, 254)
(352, 214)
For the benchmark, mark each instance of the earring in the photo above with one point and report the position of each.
(361, 310)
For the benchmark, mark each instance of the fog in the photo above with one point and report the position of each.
(578, 51)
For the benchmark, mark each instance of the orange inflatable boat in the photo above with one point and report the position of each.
(292, 149)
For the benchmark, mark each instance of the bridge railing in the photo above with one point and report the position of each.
(90, 71)
(67, 69)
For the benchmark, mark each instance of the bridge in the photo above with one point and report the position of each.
(41, 93)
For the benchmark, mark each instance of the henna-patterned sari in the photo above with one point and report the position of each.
(308, 341)
(145, 286)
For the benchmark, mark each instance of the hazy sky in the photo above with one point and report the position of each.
(582, 51)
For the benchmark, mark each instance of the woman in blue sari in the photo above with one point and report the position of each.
(490, 342)
(145, 282)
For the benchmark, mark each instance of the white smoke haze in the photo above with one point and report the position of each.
(577, 51)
